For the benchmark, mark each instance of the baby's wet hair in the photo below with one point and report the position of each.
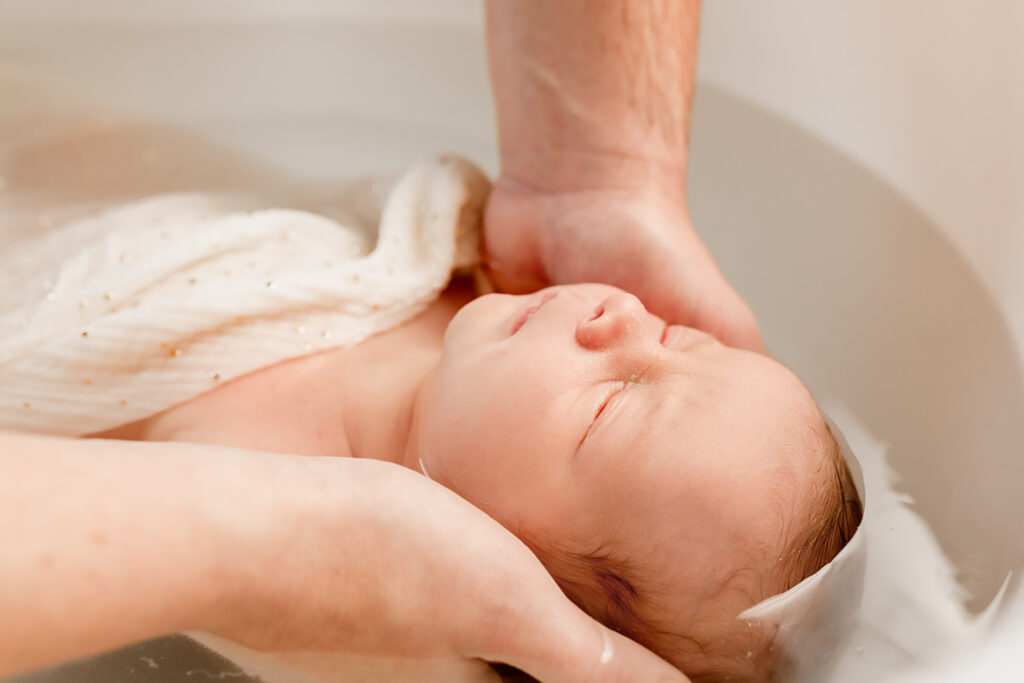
(612, 589)
(837, 514)
(605, 586)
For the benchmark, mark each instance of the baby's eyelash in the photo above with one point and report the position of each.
(600, 409)
(604, 404)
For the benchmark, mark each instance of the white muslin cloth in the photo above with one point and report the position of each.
(119, 316)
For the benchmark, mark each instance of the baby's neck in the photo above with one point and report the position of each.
(382, 380)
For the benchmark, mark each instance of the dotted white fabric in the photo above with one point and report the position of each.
(117, 317)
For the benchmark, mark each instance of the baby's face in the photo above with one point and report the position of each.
(575, 416)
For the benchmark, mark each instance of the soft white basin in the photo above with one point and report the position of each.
(864, 271)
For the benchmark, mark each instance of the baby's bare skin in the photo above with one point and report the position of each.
(575, 418)
(301, 406)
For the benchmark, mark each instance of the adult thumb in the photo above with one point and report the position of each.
(714, 307)
(587, 652)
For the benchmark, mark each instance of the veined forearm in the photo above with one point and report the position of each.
(587, 88)
(105, 543)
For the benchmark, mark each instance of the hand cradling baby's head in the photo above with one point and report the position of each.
(668, 482)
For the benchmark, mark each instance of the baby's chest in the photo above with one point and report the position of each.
(275, 409)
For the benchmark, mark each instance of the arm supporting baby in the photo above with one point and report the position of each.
(278, 553)
(593, 103)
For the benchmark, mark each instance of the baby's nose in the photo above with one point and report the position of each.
(617, 320)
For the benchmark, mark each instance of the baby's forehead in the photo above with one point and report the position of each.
(746, 410)
(728, 459)
(717, 436)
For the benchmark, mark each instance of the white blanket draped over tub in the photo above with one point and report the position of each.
(115, 317)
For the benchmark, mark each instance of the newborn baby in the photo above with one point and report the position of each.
(668, 482)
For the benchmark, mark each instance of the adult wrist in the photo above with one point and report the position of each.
(589, 180)
(535, 171)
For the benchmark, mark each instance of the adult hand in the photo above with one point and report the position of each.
(282, 554)
(638, 239)
(378, 560)
(593, 106)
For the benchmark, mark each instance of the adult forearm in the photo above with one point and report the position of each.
(105, 543)
(592, 92)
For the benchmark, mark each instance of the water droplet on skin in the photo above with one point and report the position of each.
(51, 297)
(608, 651)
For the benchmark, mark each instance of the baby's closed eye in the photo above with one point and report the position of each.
(613, 391)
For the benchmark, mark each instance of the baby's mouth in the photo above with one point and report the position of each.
(530, 310)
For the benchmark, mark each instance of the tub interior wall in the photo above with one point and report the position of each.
(864, 277)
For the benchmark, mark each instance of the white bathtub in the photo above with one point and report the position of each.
(857, 172)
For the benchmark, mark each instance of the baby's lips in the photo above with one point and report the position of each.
(530, 310)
